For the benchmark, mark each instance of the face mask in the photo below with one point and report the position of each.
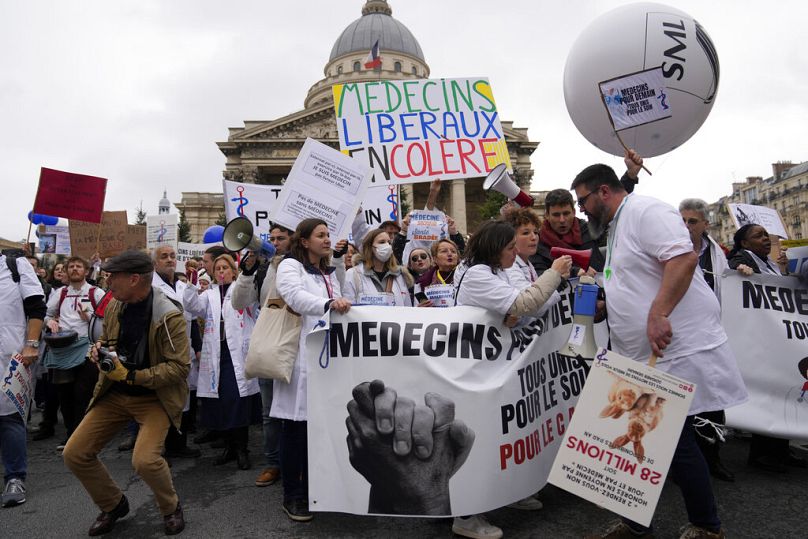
(383, 251)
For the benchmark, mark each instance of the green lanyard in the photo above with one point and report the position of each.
(607, 273)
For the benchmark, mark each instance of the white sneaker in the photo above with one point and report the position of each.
(476, 527)
(527, 504)
(14, 493)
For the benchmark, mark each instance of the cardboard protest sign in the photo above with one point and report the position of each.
(636, 99)
(187, 251)
(508, 386)
(774, 369)
(162, 230)
(252, 201)
(135, 237)
(418, 130)
(18, 386)
(72, 196)
(618, 449)
(768, 218)
(108, 237)
(324, 184)
(62, 236)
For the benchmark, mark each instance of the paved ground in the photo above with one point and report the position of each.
(222, 502)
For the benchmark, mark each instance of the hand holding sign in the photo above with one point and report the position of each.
(407, 452)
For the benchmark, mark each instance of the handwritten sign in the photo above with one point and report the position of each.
(108, 238)
(136, 237)
(768, 218)
(418, 130)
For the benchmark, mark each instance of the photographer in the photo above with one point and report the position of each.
(143, 377)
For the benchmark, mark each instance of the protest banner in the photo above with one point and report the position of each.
(636, 99)
(72, 196)
(252, 201)
(324, 184)
(775, 368)
(162, 230)
(18, 385)
(768, 218)
(418, 130)
(618, 448)
(441, 295)
(797, 254)
(381, 204)
(107, 238)
(187, 251)
(136, 237)
(62, 234)
(509, 387)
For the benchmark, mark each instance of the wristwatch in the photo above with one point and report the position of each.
(130, 378)
(32, 344)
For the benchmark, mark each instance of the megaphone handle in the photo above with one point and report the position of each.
(652, 360)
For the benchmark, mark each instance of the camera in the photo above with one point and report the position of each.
(106, 359)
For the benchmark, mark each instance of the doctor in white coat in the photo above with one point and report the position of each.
(229, 401)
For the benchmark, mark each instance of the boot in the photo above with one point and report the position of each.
(228, 455)
(243, 458)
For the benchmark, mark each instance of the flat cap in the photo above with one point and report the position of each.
(129, 262)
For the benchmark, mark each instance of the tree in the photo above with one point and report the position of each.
(140, 217)
(493, 202)
(184, 228)
(222, 220)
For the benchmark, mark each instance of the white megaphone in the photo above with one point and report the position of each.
(499, 180)
(581, 344)
(238, 234)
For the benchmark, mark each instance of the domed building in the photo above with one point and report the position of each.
(264, 151)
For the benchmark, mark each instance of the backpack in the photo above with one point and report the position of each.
(97, 319)
(98, 308)
(11, 262)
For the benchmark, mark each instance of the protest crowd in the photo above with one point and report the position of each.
(129, 344)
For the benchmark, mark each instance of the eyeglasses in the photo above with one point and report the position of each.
(582, 200)
(416, 258)
(691, 221)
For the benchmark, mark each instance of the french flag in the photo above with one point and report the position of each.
(373, 60)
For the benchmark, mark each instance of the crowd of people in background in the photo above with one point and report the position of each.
(199, 324)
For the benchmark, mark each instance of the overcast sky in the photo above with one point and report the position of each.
(140, 91)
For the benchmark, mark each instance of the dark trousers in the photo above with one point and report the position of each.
(75, 396)
(775, 449)
(294, 460)
(689, 471)
(703, 434)
(51, 396)
(178, 439)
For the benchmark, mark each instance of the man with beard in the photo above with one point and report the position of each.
(649, 274)
(562, 229)
(69, 309)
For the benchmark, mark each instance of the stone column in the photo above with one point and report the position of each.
(458, 198)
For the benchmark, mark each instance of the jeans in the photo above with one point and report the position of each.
(12, 446)
(689, 471)
(294, 460)
(272, 426)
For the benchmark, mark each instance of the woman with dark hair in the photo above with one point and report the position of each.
(229, 401)
(750, 252)
(58, 276)
(307, 283)
(486, 283)
(378, 280)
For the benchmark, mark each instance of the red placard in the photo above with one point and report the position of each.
(72, 196)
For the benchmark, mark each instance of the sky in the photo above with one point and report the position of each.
(140, 91)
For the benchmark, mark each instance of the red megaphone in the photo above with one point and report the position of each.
(579, 258)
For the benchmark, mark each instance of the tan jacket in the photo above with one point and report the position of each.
(168, 355)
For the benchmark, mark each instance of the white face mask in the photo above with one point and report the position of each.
(383, 251)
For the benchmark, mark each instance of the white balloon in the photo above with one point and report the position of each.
(633, 38)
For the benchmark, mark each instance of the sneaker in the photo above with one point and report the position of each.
(527, 504)
(621, 530)
(14, 493)
(268, 477)
(61, 445)
(476, 527)
(691, 531)
(298, 510)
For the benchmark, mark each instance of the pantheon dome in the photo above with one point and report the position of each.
(402, 57)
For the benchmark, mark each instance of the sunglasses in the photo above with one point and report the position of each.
(582, 200)
(416, 258)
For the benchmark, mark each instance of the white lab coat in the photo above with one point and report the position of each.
(305, 293)
(360, 280)
(177, 295)
(238, 326)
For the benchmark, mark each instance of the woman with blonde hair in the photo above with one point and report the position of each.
(229, 401)
(378, 280)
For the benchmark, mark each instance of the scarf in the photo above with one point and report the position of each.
(570, 240)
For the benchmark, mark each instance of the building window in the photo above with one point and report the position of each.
(414, 70)
(397, 67)
(339, 70)
(357, 66)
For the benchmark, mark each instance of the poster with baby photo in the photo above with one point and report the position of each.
(619, 445)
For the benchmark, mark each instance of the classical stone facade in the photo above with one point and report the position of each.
(785, 191)
(263, 151)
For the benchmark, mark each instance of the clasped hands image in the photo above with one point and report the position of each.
(407, 452)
